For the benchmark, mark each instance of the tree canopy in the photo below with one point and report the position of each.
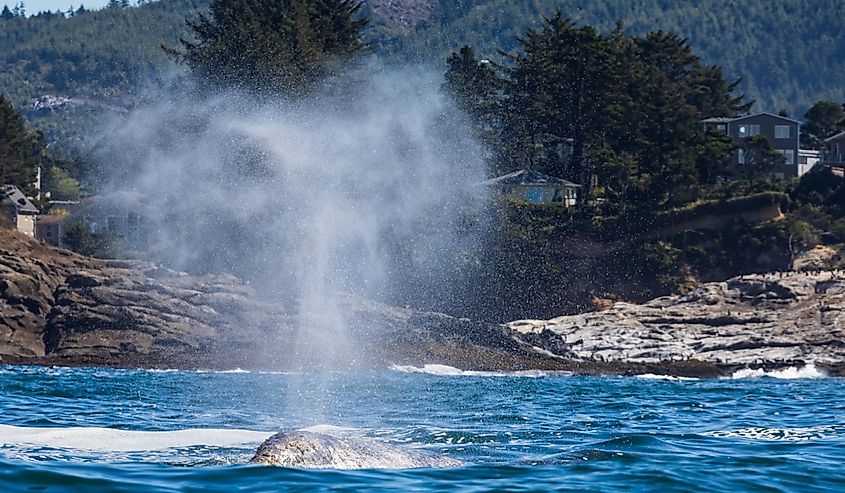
(272, 46)
(824, 119)
(576, 103)
(21, 149)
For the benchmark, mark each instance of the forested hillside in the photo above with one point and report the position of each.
(788, 52)
(94, 54)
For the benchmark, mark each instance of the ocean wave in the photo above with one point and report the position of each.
(451, 371)
(672, 378)
(95, 439)
(781, 434)
(791, 373)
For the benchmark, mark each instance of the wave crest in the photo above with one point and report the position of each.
(791, 373)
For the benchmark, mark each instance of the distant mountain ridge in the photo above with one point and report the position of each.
(788, 52)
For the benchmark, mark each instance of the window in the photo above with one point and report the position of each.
(533, 194)
(740, 156)
(721, 127)
(748, 130)
(781, 131)
(789, 154)
(557, 196)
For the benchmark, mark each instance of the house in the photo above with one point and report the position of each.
(50, 229)
(19, 208)
(833, 154)
(125, 214)
(536, 187)
(782, 133)
(834, 150)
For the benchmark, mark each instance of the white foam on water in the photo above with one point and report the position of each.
(781, 434)
(329, 429)
(451, 371)
(113, 440)
(654, 376)
(791, 373)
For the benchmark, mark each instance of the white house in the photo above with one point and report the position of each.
(20, 209)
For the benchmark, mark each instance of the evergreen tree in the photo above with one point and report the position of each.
(6, 13)
(474, 86)
(21, 150)
(471, 83)
(272, 46)
(627, 109)
(558, 96)
(760, 158)
(824, 119)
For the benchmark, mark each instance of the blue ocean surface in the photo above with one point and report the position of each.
(85, 429)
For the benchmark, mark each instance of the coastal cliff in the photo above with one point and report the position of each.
(61, 308)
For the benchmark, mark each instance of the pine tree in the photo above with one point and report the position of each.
(21, 149)
(474, 86)
(6, 13)
(272, 47)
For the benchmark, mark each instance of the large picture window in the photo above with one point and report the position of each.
(782, 131)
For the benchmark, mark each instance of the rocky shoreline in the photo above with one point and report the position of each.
(60, 308)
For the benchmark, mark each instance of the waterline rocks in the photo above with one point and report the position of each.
(311, 450)
(60, 308)
(754, 321)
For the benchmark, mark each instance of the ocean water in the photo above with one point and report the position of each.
(65, 429)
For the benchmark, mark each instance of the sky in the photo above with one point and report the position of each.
(35, 6)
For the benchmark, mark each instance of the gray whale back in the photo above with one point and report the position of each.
(311, 450)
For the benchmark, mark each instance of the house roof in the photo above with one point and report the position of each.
(835, 137)
(19, 200)
(726, 119)
(529, 177)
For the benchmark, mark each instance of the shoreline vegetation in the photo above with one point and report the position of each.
(661, 210)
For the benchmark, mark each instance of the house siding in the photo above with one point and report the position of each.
(767, 123)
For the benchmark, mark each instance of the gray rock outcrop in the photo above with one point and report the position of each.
(766, 321)
(57, 307)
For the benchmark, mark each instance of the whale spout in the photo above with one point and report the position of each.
(311, 450)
